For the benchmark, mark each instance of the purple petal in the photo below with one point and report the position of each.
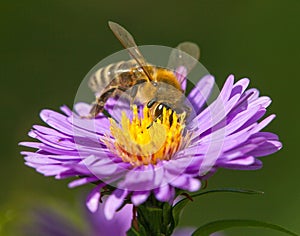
(185, 182)
(50, 170)
(158, 175)
(266, 135)
(41, 160)
(266, 149)
(118, 225)
(139, 179)
(101, 167)
(164, 193)
(240, 151)
(187, 231)
(138, 198)
(200, 93)
(239, 87)
(57, 121)
(55, 142)
(257, 164)
(212, 115)
(227, 88)
(96, 127)
(49, 131)
(116, 106)
(65, 109)
(30, 144)
(82, 181)
(193, 184)
(92, 201)
(244, 161)
(114, 201)
(264, 123)
(82, 109)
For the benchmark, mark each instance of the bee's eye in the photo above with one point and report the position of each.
(151, 103)
(160, 107)
(159, 110)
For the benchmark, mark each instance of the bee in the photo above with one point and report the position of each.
(153, 86)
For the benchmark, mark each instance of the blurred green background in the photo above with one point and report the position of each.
(48, 46)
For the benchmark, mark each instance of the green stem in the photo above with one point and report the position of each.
(153, 218)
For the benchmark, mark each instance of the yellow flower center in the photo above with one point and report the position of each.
(143, 141)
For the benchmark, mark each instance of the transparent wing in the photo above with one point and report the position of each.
(128, 42)
(186, 54)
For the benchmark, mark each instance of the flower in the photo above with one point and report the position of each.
(50, 222)
(129, 161)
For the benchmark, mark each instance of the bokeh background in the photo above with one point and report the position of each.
(47, 47)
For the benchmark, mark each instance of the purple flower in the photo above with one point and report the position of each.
(129, 161)
(49, 222)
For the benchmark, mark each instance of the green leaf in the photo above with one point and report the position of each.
(177, 211)
(178, 207)
(132, 232)
(228, 190)
(215, 226)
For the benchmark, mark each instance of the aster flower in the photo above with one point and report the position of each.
(131, 162)
(49, 222)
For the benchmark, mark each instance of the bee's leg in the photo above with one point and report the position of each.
(99, 104)
(187, 110)
(183, 112)
(134, 90)
(97, 107)
(149, 126)
(151, 102)
(155, 120)
(133, 93)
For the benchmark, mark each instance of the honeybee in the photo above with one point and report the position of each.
(153, 86)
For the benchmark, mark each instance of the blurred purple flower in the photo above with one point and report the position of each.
(225, 134)
(50, 222)
(118, 225)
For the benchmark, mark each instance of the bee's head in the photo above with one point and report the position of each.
(156, 110)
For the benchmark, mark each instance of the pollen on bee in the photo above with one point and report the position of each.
(138, 142)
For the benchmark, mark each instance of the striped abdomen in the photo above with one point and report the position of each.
(105, 75)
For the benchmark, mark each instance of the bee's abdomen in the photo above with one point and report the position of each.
(105, 75)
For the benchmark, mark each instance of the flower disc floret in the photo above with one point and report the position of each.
(143, 141)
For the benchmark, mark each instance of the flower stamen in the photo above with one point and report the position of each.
(143, 141)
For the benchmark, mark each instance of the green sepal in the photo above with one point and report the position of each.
(219, 225)
(151, 218)
(134, 232)
(167, 219)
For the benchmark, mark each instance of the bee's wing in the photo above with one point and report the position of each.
(186, 54)
(128, 42)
